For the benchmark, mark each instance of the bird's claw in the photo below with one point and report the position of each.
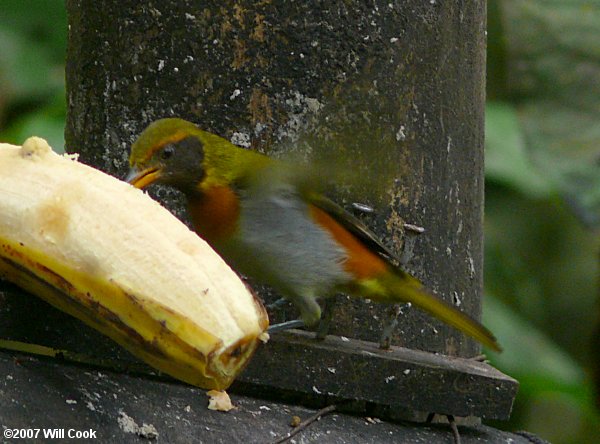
(276, 328)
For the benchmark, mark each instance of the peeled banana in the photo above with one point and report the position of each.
(108, 254)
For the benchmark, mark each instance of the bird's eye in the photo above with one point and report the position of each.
(167, 152)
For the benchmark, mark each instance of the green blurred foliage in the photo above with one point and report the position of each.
(32, 69)
(542, 198)
(542, 221)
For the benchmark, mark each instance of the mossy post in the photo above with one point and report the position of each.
(393, 90)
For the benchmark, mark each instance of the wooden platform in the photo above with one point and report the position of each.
(49, 393)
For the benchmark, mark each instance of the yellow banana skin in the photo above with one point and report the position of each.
(201, 334)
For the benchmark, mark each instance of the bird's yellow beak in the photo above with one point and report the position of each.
(141, 179)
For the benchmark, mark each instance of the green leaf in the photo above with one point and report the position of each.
(565, 144)
(551, 70)
(506, 159)
(529, 353)
(32, 48)
(47, 122)
(551, 382)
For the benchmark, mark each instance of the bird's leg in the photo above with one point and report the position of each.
(296, 323)
(310, 313)
(277, 304)
(283, 325)
(326, 317)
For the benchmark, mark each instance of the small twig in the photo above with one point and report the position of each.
(454, 428)
(452, 424)
(304, 424)
(531, 437)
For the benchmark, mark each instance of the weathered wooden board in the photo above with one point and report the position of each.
(41, 393)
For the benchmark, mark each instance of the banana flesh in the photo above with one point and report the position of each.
(108, 254)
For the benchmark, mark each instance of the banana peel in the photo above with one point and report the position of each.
(106, 253)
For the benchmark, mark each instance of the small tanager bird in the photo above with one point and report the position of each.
(269, 223)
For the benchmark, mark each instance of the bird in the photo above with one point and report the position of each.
(268, 221)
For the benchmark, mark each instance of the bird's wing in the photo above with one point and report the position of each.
(304, 182)
(353, 225)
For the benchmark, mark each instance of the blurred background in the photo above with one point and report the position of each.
(542, 222)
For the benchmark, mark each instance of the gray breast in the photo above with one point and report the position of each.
(286, 248)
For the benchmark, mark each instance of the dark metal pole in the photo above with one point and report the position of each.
(393, 90)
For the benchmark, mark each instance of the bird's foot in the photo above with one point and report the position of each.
(287, 325)
(326, 317)
(277, 304)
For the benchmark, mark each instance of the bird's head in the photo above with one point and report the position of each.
(169, 151)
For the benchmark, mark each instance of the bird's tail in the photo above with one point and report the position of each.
(397, 286)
